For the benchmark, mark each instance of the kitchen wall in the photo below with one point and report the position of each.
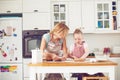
(99, 41)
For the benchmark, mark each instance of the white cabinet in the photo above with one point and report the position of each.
(81, 15)
(36, 20)
(36, 14)
(91, 16)
(10, 6)
(59, 12)
(36, 5)
(103, 14)
(117, 60)
(88, 16)
(74, 15)
(106, 16)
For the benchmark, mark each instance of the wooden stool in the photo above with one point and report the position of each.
(96, 78)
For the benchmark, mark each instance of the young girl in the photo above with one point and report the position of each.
(78, 50)
(52, 43)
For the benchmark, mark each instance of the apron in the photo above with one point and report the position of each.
(55, 47)
(78, 51)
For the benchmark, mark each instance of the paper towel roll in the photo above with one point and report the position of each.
(36, 56)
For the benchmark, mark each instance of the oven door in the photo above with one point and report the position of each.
(30, 42)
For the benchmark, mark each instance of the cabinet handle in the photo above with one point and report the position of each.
(8, 11)
(35, 10)
(35, 28)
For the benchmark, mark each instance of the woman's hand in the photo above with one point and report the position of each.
(63, 58)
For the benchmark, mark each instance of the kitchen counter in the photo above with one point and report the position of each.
(77, 63)
(114, 55)
(111, 56)
(68, 67)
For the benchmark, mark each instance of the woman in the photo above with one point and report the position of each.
(52, 43)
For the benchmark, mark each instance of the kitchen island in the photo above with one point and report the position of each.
(68, 67)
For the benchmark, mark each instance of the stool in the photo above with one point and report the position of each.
(94, 78)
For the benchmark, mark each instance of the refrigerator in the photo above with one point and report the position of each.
(11, 47)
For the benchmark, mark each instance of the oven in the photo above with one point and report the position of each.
(31, 40)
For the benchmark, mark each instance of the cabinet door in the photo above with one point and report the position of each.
(10, 6)
(74, 15)
(36, 20)
(103, 14)
(36, 5)
(88, 16)
(59, 12)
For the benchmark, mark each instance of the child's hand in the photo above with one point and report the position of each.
(76, 59)
(79, 59)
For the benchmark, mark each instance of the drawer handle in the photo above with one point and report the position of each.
(8, 11)
(35, 28)
(35, 10)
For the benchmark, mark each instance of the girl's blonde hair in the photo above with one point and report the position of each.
(60, 28)
(77, 31)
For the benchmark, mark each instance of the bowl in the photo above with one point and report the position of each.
(101, 57)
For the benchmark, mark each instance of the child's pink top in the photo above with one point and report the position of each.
(77, 51)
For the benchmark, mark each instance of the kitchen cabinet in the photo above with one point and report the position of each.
(36, 20)
(36, 5)
(76, 15)
(59, 12)
(103, 15)
(36, 14)
(88, 16)
(106, 16)
(10, 6)
(117, 60)
(79, 18)
(91, 16)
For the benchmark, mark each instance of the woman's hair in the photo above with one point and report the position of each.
(77, 31)
(60, 27)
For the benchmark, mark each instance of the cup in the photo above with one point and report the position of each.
(106, 52)
(36, 56)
